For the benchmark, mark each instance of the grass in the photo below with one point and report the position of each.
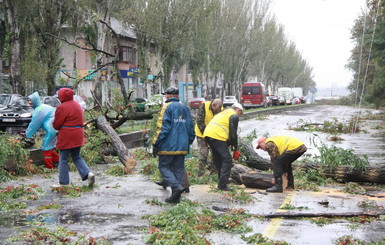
(349, 240)
(289, 206)
(259, 238)
(71, 190)
(38, 233)
(187, 222)
(237, 194)
(13, 197)
(116, 170)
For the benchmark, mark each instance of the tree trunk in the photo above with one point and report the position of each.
(326, 215)
(14, 71)
(300, 215)
(124, 154)
(250, 178)
(253, 160)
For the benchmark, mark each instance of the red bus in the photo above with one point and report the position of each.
(253, 95)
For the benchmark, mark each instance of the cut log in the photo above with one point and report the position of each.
(124, 154)
(251, 178)
(253, 160)
(309, 215)
(373, 174)
(326, 215)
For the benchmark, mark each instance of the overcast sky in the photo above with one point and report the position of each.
(321, 31)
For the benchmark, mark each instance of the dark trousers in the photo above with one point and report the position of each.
(283, 164)
(172, 169)
(221, 159)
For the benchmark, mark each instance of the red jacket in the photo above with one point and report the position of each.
(68, 121)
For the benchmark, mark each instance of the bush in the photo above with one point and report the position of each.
(13, 158)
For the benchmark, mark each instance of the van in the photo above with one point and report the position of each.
(253, 95)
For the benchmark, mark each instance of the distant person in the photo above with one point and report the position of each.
(283, 150)
(42, 117)
(220, 133)
(206, 112)
(174, 135)
(69, 122)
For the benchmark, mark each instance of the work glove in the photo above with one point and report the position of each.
(236, 154)
(155, 150)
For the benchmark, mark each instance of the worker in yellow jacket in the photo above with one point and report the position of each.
(205, 113)
(283, 150)
(220, 133)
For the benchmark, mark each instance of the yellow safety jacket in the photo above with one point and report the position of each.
(218, 127)
(208, 116)
(285, 143)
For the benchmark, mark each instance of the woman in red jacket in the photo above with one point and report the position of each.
(69, 122)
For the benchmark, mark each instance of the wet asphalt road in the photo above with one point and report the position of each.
(116, 205)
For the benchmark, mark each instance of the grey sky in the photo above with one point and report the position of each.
(321, 31)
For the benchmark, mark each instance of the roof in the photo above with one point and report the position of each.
(122, 29)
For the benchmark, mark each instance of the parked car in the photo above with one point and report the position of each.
(295, 101)
(15, 113)
(195, 103)
(302, 99)
(281, 100)
(81, 101)
(229, 101)
(268, 101)
(50, 100)
(274, 99)
(140, 104)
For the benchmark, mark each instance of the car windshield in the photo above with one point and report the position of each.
(4, 99)
(20, 102)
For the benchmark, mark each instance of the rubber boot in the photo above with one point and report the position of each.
(162, 183)
(186, 182)
(278, 185)
(55, 156)
(175, 195)
(48, 159)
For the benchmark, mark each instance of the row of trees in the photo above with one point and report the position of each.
(368, 56)
(227, 41)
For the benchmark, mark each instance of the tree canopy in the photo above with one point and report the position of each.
(222, 42)
(367, 60)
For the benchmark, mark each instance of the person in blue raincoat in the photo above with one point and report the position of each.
(42, 117)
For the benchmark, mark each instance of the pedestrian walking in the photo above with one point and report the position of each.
(205, 113)
(42, 117)
(283, 151)
(69, 122)
(220, 133)
(174, 135)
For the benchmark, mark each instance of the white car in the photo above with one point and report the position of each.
(229, 101)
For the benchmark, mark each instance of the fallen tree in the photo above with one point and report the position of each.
(125, 156)
(254, 179)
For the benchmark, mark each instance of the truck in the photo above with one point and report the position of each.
(298, 92)
(287, 93)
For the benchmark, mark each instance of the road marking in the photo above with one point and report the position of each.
(274, 224)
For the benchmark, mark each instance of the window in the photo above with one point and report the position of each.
(127, 54)
(251, 90)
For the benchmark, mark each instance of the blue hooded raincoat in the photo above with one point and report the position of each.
(42, 117)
